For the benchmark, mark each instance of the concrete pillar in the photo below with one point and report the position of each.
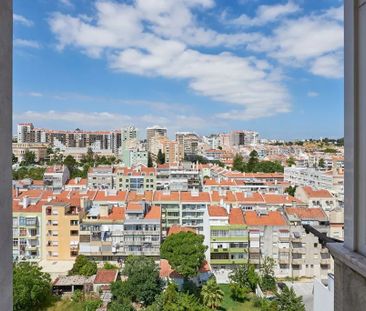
(6, 43)
(350, 257)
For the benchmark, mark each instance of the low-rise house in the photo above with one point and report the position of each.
(168, 274)
(316, 198)
(101, 177)
(69, 283)
(103, 279)
(55, 177)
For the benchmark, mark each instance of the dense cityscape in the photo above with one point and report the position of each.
(112, 201)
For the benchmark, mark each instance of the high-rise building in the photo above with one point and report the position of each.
(153, 131)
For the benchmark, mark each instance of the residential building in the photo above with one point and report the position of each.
(228, 241)
(134, 157)
(61, 218)
(187, 144)
(39, 150)
(136, 178)
(101, 177)
(309, 257)
(155, 131)
(56, 176)
(316, 198)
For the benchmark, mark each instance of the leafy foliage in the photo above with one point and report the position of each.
(35, 173)
(245, 276)
(185, 252)
(149, 160)
(268, 281)
(254, 165)
(31, 287)
(290, 161)
(321, 163)
(288, 301)
(212, 295)
(29, 158)
(143, 282)
(160, 157)
(291, 190)
(238, 292)
(109, 266)
(83, 266)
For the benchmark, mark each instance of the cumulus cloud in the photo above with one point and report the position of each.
(22, 20)
(153, 38)
(312, 94)
(266, 14)
(26, 43)
(314, 42)
(103, 120)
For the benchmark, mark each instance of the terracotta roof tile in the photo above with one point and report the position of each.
(217, 211)
(177, 228)
(317, 193)
(105, 276)
(236, 217)
(154, 213)
(271, 218)
(305, 213)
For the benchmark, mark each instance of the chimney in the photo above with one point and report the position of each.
(25, 202)
(16, 191)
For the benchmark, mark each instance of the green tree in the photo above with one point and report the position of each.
(143, 283)
(253, 161)
(120, 306)
(109, 266)
(267, 167)
(31, 287)
(212, 295)
(238, 293)
(238, 163)
(29, 158)
(14, 159)
(149, 160)
(291, 190)
(71, 164)
(288, 301)
(290, 161)
(268, 281)
(185, 252)
(245, 276)
(321, 163)
(83, 266)
(160, 157)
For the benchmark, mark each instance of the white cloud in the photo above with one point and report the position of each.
(312, 94)
(22, 20)
(157, 39)
(107, 120)
(26, 43)
(314, 42)
(66, 2)
(266, 14)
(35, 94)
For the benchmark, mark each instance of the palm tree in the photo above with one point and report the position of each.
(212, 295)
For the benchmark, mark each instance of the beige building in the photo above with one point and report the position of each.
(61, 220)
(40, 150)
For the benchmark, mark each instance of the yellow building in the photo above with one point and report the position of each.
(61, 228)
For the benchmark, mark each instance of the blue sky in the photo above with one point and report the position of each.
(201, 65)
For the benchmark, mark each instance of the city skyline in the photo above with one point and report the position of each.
(277, 86)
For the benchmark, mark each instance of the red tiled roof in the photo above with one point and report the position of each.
(105, 276)
(271, 218)
(166, 271)
(252, 197)
(271, 198)
(317, 193)
(134, 196)
(117, 213)
(177, 228)
(36, 208)
(229, 196)
(154, 213)
(104, 196)
(305, 213)
(161, 196)
(76, 182)
(201, 197)
(217, 211)
(236, 217)
(134, 206)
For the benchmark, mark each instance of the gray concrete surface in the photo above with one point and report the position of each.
(304, 289)
(6, 42)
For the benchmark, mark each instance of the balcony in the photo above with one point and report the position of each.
(254, 261)
(284, 260)
(298, 261)
(298, 250)
(254, 250)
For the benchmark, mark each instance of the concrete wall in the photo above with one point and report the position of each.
(6, 37)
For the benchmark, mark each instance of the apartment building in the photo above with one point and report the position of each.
(101, 232)
(142, 229)
(61, 218)
(178, 177)
(55, 177)
(308, 257)
(187, 144)
(316, 198)
(136, 178)
(134, 157)
(333, 180)
(101, 177)
(269, 237)
(99, 140)
(228, 240)
(169, 202)
(27, 229)
(155, 131)
(39, 150)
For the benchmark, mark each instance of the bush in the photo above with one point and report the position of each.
(238, 293)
